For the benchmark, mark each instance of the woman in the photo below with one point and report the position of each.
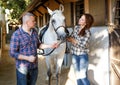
(79, 48)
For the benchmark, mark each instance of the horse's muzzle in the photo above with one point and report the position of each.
(62, 37)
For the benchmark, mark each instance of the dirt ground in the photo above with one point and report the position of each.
(8, 75)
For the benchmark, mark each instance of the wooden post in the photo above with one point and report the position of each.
(74, 13)
(0, 38)
(110, 12)
(86, 3)
(3, 31)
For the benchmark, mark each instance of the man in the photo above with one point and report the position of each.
(23, 47)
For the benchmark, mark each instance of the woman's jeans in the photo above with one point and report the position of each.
(80, 64)
(29, 79)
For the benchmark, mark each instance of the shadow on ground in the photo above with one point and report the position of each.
(8, 75)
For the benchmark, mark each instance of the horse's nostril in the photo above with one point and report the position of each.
(64, 36)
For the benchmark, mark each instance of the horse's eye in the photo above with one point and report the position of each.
(53, 21)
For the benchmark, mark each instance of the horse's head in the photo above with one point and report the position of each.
(57, 22)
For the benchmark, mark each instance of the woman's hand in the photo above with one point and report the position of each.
(72, 40)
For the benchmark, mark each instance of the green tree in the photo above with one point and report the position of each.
(17, 7)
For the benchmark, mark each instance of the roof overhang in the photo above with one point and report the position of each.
(38, 7)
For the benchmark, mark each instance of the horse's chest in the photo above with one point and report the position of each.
(49, 38)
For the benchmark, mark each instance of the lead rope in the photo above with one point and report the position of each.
(41, 52)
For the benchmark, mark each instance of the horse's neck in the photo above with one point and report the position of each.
(50, 27)
(51, 30)
(50, 34)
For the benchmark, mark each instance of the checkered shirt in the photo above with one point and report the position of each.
(25, 44)
(82, 46)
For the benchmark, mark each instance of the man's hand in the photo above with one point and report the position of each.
(27, 58)
(55, 45)
(32, 59)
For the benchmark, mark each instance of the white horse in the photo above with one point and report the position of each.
(54, 32)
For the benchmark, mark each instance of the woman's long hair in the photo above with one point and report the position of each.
(89, 21)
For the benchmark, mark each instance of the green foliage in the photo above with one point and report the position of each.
(18, 6)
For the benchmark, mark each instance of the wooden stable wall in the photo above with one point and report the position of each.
(68, 14)
(115, 56)
(97, 9)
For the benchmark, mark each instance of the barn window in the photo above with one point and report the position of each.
(79, 9)
(117, 13)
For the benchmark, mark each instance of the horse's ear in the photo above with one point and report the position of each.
(61, 7)
(49, 11)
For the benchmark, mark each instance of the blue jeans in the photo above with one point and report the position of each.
(80, 65)
(29, 79)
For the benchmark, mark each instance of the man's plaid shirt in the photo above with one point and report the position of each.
(25, 44)
(82, 46)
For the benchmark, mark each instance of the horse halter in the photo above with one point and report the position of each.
(57, 27)
(54, 26)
